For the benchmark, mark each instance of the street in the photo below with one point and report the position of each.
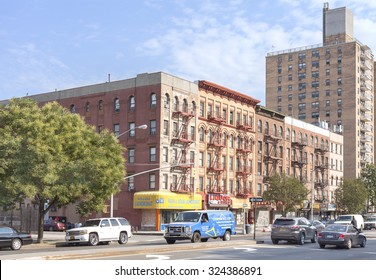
(241, 247)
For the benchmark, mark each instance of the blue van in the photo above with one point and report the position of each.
(200, 225)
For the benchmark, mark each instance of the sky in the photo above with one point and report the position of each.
(54, 45)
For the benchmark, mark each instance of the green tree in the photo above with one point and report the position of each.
(350, 196)
(52, 156)
(286, 193)
(369, 180)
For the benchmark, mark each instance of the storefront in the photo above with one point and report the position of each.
(159, 208)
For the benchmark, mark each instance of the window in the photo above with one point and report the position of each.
(327, 103)
(302, 86)
(301, 106)
(176, 103)
(290, 67)
(165, 181)
(327, 82)
(315, 84)
(302, 66)
(201, 159)
(327, 92)
(116, 105)
(116, 129)
(165, 154)
(315, 74)
(289, 97)
(152, 181)
(315, 94)
(130, 183)
(73, 108)
(153, 100)
(100, 105)
(87, 107)
(202, 109)
(279, 69)
(339, 113)
(201, 183)
(259, 126)
(301, 76)
(153, 152)
(231, 117)
(231, 141)
(339, 81)
(132, 129)
(153, 127)
(167, 101)
(279, 79)
(315, 105)
(202, 134)
(327, 72)
(165, 127)
(339, 70)
(231, 163)
(289, 107)
(315, 64)
(290, 77)
(339, 91)
(132, 103)
(315, 115)
(339, 102)
(131, 155)
(279, 99)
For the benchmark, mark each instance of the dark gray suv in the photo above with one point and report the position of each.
(293, 230)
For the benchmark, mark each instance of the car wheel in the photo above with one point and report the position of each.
(93, 239)
(51, 229)
(227, 236)
(301, 239)
(123, 238)
(314, 238)
(322, 246)
(196, 237)
(363, 243)
(348, 244)
(16, 244)
(170, 241)
(275, 241)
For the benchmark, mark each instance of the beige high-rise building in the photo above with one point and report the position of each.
(330, 85)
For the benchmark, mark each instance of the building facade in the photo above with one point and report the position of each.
(331, 84)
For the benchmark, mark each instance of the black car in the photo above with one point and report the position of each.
(9, 237)
(342, 236)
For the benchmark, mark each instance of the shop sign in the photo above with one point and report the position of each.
(219, 200)
(161, 200)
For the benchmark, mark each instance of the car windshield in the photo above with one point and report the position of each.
(284, 222)
(344, 218)
(92, 223)
(188, 217)
(336, 228)
(371, 220)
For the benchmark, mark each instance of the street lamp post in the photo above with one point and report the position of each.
(143, 126)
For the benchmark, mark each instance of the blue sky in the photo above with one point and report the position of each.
(48, 45)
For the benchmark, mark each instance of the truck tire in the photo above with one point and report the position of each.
(123, 238)
(196, 237)
(93, 239)
(227, 236)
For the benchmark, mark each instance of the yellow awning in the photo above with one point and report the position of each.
(166, 200)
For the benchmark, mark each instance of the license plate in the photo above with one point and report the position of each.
(71, 237)
(330, 236)
(283, 229)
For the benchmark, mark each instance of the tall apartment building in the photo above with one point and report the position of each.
(330, 84)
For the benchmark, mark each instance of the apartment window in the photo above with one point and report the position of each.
(339, 81)
(301, 106)
(116, 105)
(327, 50)
(153, 154)
(315, 94)
(327, 61)
(315, 105)
(339, 70)
(259, 126)
(87, 107)
(339, 113)
(202, 134)
(132, 103)
(167, 101)
(132, 129)
(302, 55)
(290, 67)
(165, 154)
(302, 66)
(327, 71)
(290, 57)
(73, 108)
(315, 84)
(259, 168)
(100, 128)
(289, 107)
(279, 79)
(165, 181)
(201, 159)
(192, 157)
(279, 69)
(202, 109)
(302, 86)
(315, 115)
(315, 53)
(116, 129)
(315, 64)
(339, 91)
(327, 103)
(152, 181)
(231, 163)
(327, 92)
(302, 96)
(279, 108)
(259, 147)
(339, 102)
(290, 77)
(201, 183)
(289, 87)
(279, 89)
(327, 82)
(279, 99)
(315, 74)
(339, 50)
(100, 105)
(131, 183)
(153, 100)
(165, 127)
(231, 117)
(131, 155)
(302, 116)
(327, 113)
(153, 127)
(289, 97)
(192, 134)
(301, 76)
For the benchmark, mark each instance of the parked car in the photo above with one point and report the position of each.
(342, 236)
(52, 225)
(101, 230)
(294, 230)
(370, 223)
(10, 237)
(319, 225)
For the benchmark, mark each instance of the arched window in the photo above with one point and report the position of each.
(185, 106)
(288, 134)
(176, 103)
(259, 126)
(116, 105)
(293, 136)
(100, 105)
(193, 108)
(132, 103)
(231, 141)
(280, 132)
(274, 130)
(202, 134)
(87, 107)
(153, 100)
(73, 108)
(267, 127)
(224, 139)
(167, 101)
(210, 136)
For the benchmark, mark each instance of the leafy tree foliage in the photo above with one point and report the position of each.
(351, 196)
(52, 156)
(286, 193)
(369, 180)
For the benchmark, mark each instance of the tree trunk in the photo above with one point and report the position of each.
(40, 221)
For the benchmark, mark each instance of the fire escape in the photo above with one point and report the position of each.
(181, 139)
(272, 156)
(215, 146)
(243, 167)
(299, 157)
(321, 171)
